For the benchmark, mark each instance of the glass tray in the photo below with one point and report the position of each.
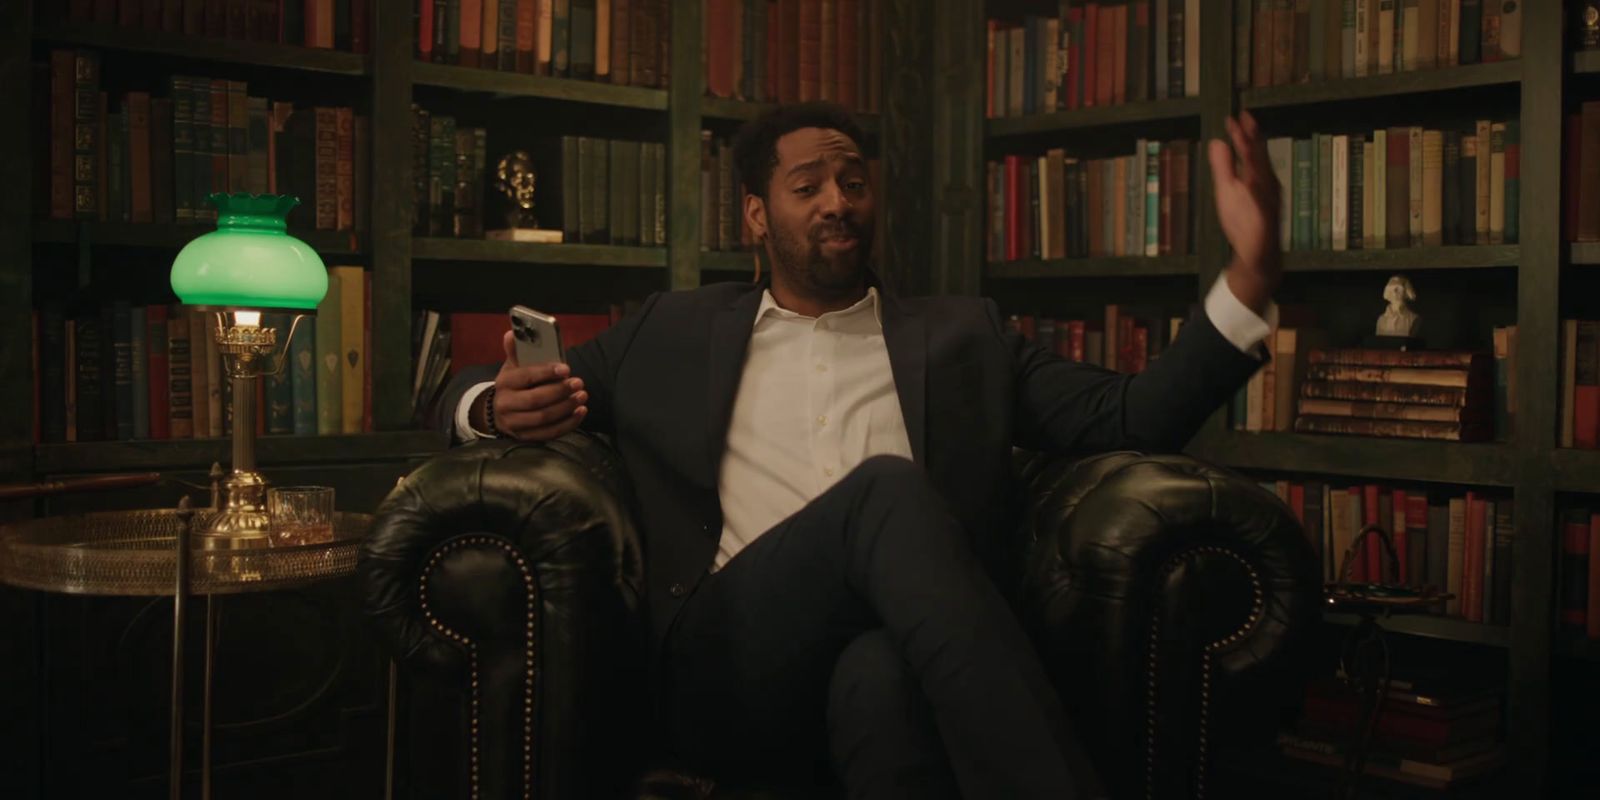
(133, 553)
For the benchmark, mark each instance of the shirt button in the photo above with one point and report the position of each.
(822, 420)
(676, 590)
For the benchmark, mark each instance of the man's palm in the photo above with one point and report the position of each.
(1247, 197)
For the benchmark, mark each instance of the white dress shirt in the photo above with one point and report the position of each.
(817, 397)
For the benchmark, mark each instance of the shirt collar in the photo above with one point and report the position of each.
(872, 300)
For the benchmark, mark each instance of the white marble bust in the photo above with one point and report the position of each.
(1398, 319)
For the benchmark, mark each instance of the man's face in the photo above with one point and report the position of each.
(820, 211)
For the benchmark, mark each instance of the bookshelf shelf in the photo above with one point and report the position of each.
(1486, 464)
(173, 236)
(515, 84)
(1583, 254)
(1455, 630)
(742, 110)
(1576, 470)
(1088, 118)
(1586, 62)
(1375, 87)
(203, 48)
(598, 255)
(1108, 267)
(1452, 257)
(56, 459)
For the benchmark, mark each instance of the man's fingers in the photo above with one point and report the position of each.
(543, 415)
(1221, 163)
(511, 402)
(521, 377)
(1241, 146)
(509, 344)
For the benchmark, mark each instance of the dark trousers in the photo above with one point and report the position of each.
(861, 637)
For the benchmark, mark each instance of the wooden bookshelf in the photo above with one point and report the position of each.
(597, 255)
(174, 236)
(726, 261)
(1586, 62)
(1108, 267)
(1585, 254)
(1403, 258)
(1379, 87)
(515, 84)
(1432, 627)
(722, 108)
(1576, 470)
(1480, 464)
(291, 58)
(1090, 118)
(168, 454)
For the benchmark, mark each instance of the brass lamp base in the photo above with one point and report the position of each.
(243, 522)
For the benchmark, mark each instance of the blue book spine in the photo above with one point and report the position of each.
(141, 373)
(279, 391)
(302, 371)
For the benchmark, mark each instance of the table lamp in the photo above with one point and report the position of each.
(248, 266)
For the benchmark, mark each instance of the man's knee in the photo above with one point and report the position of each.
(889, 471)
(870, 678)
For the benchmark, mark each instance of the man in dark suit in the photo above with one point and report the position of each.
(818, 463)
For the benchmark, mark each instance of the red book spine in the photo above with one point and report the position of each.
(359, 26)
(809, 47)
(1105, 54)
(1398, 535)
(424, 30)
(773, 53)
(1297, 502)
(1373, 549)
(1472, 561)
(1088, 56)
(719, 48)
(1076, 328)
(1015, 193)
(1417, 521)
(789, 62)
(158, 365)
(1575, 598)
(1592, 620)
(847, 45)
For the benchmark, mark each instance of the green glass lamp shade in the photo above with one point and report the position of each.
(250, 260)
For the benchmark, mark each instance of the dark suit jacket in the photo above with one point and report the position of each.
(662, 383)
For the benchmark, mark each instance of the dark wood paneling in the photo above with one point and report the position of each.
(391, 211)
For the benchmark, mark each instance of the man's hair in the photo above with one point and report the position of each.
(755, 147)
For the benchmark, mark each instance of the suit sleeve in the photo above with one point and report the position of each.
(1062, 406)
(595, 362)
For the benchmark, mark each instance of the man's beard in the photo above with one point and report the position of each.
(803, 261)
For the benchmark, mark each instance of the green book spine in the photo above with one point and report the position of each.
(279, 388)
(1513, 137)
(441, 175)
(1152, 199)
(560, 26)
(570, 205)
(1505, 529)
(628, 188)
(1324, 191)
(200, 130)
(660, 202)
(587, 189)
(330, 408)
(1471, 33)
(90, 384)
(1450, 199)
(122, 369)
(302, 369)
(616, 191)
(452, 31)
(580, 30)
(182, 150)
(645, 214)
(1347, 39)
(1304, 212)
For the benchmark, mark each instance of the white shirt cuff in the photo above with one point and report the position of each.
(464, 430)
(1235, 321)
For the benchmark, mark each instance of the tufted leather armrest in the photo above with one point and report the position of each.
(516, 571)
(1168, 598)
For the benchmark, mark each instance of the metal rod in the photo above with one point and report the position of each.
(213, 614)
(179, 617)
(244, 423)
(394, 723)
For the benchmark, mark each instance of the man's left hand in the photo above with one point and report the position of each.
(1247, 208)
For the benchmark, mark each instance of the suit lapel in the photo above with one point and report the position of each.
(905, 337)
(731, 327)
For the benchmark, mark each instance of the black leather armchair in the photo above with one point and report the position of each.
(1167, 597)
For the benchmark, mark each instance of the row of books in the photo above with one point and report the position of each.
(795, 50)
(1092, 54)
(589, 190)
(1402, 187)
(1057, 206)
(1126, 340)
(622, 42)
(1462, 544)
(1433, 737)
(116, 372)
(1579, 350)
(1452, 395)
(722, 193)
(1580, 571)
(442, 344)
(136, 157)
(1279, 42)
(335, 24)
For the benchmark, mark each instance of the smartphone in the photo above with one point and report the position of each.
(537, 336)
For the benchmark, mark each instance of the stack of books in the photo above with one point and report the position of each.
(789, 51)
(1426, 737)
(1436, 394)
